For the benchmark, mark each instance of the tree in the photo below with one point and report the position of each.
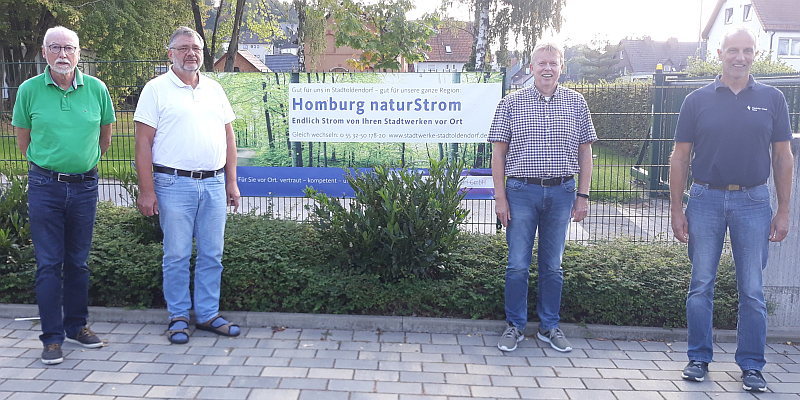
(311, 25)
(497, 20)
(597, 61)
(23, 24)
(382, 32)
(762, 65)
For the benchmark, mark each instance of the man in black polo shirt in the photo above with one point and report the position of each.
(730, 126)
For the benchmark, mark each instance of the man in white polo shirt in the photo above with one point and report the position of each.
(186, 164)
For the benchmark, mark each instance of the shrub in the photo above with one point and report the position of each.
(17, 261)
(400, 224)
(283, 266)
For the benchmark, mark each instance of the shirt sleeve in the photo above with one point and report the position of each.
(588, 134)
(21, 117)
(107, 115)
(687, 123)
(227, 110)
(147, 107)
(500, 130)
(781, 126)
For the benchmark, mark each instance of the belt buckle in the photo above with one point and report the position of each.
(66, 176)
(734, 187)
(199, 174)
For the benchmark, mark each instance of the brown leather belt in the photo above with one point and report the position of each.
(730, 188)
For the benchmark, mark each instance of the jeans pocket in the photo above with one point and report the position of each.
(513, 184)
(163, 180)
(570, 186)
(696, 191)
(35, 179)
(90, 184)
(759, 194)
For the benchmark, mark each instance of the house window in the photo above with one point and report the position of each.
(789, 47)
(747, 8)
(448, 49)
(728, 15)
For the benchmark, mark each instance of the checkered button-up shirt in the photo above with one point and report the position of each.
(543, 136)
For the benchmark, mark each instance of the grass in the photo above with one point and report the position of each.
(611, 177)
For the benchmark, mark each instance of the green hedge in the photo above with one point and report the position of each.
(273, 265)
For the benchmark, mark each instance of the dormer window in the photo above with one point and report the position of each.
(728, 15)
(747, 8)
(448, 49)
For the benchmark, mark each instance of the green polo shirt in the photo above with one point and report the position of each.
(64, 124)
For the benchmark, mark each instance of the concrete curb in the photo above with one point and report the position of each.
(401, 324)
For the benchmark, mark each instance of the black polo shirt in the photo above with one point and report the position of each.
(732, 133)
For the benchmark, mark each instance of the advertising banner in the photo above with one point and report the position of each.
(407, 113)
(290, 181)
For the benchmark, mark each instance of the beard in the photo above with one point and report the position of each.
(62, 66)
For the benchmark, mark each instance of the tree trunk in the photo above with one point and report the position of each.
(300, 7)
(233, 47)
(213, 49)
(208, 58)
(483, 36)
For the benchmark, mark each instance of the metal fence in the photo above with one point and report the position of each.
(635, 123)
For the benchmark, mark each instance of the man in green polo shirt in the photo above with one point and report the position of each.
(62, 119)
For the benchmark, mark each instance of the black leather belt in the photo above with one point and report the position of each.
(190, 174)
(89, 175)
(544, 181)
(731, 188)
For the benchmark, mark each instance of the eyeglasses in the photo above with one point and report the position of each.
(185, 49)
(56, 49)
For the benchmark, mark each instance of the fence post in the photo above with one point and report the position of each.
(658, 126)
(781, 280)
(297, 147)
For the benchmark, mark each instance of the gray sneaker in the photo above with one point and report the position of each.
(52, 354)
(510, 338)
(556, 339)
(753, 381)
(86, 338)
(695, 371)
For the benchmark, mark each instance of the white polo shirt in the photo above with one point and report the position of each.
(189, 122)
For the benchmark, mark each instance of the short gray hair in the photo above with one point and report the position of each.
(549, 47)
(61, 29)
(185, 31)
(736, 29)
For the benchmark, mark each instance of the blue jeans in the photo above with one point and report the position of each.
(62, 221)
(192, 209)
(549, 209)
(747, 214)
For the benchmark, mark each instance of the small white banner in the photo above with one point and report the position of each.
(355, 112)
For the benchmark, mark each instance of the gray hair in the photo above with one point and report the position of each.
(549, 47)
(61, 29)
(737, 29)
(185, 31)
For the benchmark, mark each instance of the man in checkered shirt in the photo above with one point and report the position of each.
(542, 136)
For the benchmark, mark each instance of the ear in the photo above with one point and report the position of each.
(44, 52)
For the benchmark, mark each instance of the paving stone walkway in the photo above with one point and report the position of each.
(267, 363)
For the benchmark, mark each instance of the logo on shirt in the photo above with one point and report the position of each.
(751, 108)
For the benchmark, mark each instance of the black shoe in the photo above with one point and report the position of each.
(86, 338)
(52, 354)
(695, 371)
(753, 381)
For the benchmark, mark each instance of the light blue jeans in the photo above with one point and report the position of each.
(549, 209)
(747, 214)
(192, 208)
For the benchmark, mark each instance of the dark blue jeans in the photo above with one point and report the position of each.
(62, 220)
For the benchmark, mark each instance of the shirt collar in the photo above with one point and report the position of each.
(718, 83)
(77, 80)
(539, 96)
(178, 82)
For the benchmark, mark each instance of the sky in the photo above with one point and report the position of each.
(613, 20)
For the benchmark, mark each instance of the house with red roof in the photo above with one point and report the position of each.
(450, 50)
(776, 22)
